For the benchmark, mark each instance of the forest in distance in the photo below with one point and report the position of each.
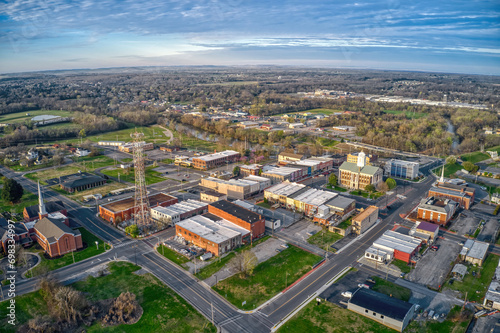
(111, 99)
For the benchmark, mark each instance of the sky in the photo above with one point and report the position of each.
(439, 36)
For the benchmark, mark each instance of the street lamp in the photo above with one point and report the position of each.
(97, 244)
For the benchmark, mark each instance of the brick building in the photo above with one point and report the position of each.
(253, 222)
(124, 209)
(284, 156)
(207, 195)
(81, 182)
(250, 170)
(437, 211)
(461, 194)
(129, 147)
(393, 245)
(364, 220)
(36, 212)
(56, 238)
(215, 160)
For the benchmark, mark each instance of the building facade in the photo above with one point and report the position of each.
(56, 238)
(402, 169)
(461, 194)
(215, 160)
(244, 218)
(364, 220)
(437, 211)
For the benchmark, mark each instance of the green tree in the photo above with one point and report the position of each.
(12, 191)
(132, 230)
(370, 188)
(236, 171)
(451, 160)
(469, 166)
(82, 133)
(332, 180)
(391, 183)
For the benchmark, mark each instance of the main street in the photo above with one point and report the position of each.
(197, 293)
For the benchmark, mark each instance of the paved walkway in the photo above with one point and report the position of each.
(168, 133)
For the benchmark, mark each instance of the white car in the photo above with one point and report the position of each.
(362, 285)
(347, 294)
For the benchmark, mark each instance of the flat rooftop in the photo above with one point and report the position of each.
(127, 203)
(283, 171)
(181, 207)
(236, 210)
(388, 306)
(367, 212)
(215, 156)
(478, 250)
(285, 188)
(213, 231)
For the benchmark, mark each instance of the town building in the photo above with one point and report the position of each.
(81, 182)
(492, 297)
(344, 128)
(364, 220)
(335, 210)
(217, 236)
(263, 181)
(474, 252)
(207, 195)
(169, 149)
(279, 175)
(280, 192)
(296, 125)
(338, 159)
(179, 211)
(81, 152)
(462, 194)
(284, 156)
(247, 124)
(393, 245)
(369, 158)
(436, 210)
(251, 221)
(311, 202)
(359, 175)
(402, 169)
(250, 170)
(43, 209)
(215, 160)
(233, 188)
(388, 311)
(129, 147)
(56, 238)
(111, 143)
(124, 209)
(428, 228)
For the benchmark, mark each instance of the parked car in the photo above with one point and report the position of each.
(285, 246)
(347, 294)
(402, 275)
(436, 316)
(434, 247)
(363, 285)
(370, 280)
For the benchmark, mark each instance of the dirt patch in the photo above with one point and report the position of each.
(466, 222)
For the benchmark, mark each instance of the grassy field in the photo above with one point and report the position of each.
(389, 288)
(327, 142)
(53, 173)
(172, 255)
(365, 194)
(102, 190)
(449, 169)
(328, 317)
(67, 259)
(152, 176)
(314, 111)
(403, 266)
(268, 278)
(324, 238)
(94, 162)
(214, 267)
(476, 286)
(164, 310)
(195, 143)
(28, 199)
(408, 114)
(20, 117)
(336, 188)
(456, 322)
(475, 157)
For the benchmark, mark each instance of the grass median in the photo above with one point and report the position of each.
(164, 310)
(171, 255)
(268, 278)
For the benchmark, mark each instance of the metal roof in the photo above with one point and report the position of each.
(283, 171)
(215, 156)
(181, 207)
(392, 240)
(353, 167)
(478, 250)
(236, 210)
(213, 231)
(285, 188)
(315, 197)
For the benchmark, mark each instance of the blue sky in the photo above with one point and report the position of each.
(443, 36)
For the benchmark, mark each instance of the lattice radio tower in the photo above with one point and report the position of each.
(142, 214)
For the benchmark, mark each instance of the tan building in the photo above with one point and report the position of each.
(290, 157)
(364, 220)
(212, 196)
(354, 177)
(353, 158)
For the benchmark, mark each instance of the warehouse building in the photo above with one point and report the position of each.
(437, 211)
(207, 195)
(290, 157)
(388, 311)
(233, 188)
(280, 192)
(180, 211)
(251, 221)
(402, 169)
(124, 209)
(393, 245)
(279, 175)
(217, 236)
(215, 160)
(364, 220)
(81, 182)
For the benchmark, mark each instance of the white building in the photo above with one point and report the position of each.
(402, 169)
(81, 152)
(180, 211)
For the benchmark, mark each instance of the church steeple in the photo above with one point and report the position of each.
(42, 212)
(441, 180)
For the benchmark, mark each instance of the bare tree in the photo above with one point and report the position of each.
(245, 262)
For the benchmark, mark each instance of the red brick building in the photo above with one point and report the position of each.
(464, 195)
(253, 222)
(437, 211)
(56, 238)
(211, 161)
(124, 209)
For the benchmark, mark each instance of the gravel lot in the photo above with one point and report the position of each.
(300, 230)
(489, 231)
(464, 223)
(434, 266)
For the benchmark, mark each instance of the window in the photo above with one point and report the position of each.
(374, 314)
(381, 317)
(366, 311)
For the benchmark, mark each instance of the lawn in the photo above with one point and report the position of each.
(25, 168)
(327, 142)
(328, 317)
(171, 255)
(268, 278)
(216, 265)
(94, 162)
(53, 173)
(456, 322)
(336, 188)
(28, 199)
(264, 204)
(389, 288)
(152, 176)
(408, 114)
(475, 157)
(403, 266)
(449, 169)
(67, 259)
(324, 238)
(20, 117)
(476, 286)
(164, 310)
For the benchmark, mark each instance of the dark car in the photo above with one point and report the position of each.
(389, 207)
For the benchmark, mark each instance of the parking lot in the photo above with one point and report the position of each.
(489, 230)
(466, 222)
(433, 267)
(349, 283)
(301, 230)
